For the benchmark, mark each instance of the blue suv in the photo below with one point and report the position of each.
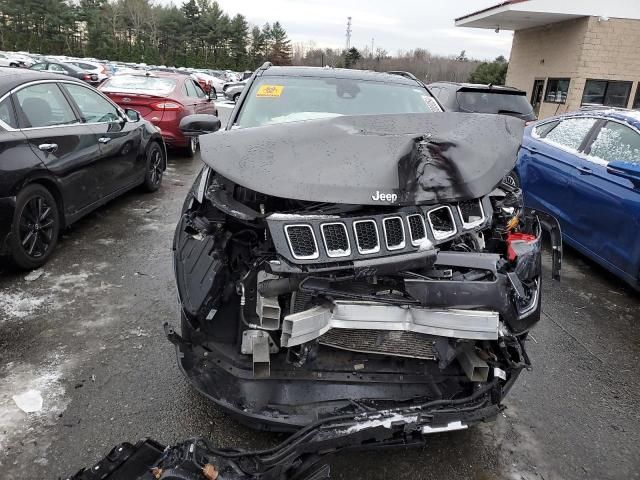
(584, 169)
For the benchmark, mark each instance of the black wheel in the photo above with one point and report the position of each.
(192, 146)
(35, 228)
(512, 179)
(155, 167)
(236, 97)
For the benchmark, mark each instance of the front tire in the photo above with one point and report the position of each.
(35, 227)
(155, 167)
(236, 97)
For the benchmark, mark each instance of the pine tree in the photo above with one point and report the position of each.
(239, 29)
(351, 56)
(280, 51)
(257, 48)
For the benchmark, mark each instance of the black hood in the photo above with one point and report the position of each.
(406, 158)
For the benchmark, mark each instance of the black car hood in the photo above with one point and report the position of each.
(370, 159)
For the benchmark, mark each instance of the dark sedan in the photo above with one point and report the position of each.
(66, 69)
(479, 98)
(65, 149)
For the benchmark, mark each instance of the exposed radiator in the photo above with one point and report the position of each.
(384, 342)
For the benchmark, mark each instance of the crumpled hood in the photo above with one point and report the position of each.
(370, 159)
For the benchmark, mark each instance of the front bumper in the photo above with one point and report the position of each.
(288, 400)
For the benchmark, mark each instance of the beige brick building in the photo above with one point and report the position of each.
(570, 53)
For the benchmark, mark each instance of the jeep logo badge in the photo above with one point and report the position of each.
(384, 197)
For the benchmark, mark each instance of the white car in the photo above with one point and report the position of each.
(91, 67)
(211, 80)
(28, 60)
(9, 60)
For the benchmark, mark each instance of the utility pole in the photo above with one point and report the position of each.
(372, 48)
(348, 33)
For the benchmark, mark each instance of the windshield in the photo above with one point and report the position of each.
(139, 84)
(290, 99)
(493, 102)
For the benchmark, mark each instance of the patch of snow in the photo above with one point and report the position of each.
(34, 275)
(18, 304)
(15, 380)
(105, 241)
(29, 401)
(69, 282)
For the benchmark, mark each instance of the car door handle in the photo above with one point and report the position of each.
(533, 149)
(48, 147)
(584, 170)
(104, 139)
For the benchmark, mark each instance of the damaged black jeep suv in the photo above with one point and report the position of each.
(350, 252)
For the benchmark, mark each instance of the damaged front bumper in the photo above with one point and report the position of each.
(302, 456)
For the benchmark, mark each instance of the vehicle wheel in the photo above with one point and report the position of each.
(153, 176)
(15, 65)
(512, 179)
(192, 147)
(35, 227)
(236, 97)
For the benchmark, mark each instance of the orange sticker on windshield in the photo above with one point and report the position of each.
(269, 91)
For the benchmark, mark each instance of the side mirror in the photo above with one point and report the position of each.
(630, 171)
(211, 94)
(132, 115)
(199, 124)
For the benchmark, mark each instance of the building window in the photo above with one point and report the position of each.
(636, 102)
(607, 92)
(557, 89)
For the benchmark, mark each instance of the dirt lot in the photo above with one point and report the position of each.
(88, 334)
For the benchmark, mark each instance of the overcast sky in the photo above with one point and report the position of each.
(394, 24)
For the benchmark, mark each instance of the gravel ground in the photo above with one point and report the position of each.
(87, 333)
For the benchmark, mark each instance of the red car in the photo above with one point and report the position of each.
(163, 99)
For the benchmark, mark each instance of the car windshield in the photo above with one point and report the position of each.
(289, 99)
(493, 102)
(139, 84)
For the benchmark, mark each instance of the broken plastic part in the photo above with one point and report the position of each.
(513, 239)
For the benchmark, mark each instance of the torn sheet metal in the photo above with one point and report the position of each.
(370, 159)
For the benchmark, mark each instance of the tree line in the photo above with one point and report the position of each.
(425, 65)
(198, 33)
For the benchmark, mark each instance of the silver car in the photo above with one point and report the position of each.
(232, 92)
